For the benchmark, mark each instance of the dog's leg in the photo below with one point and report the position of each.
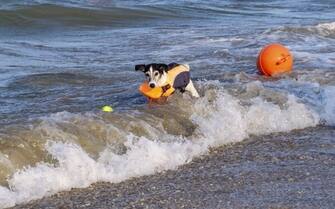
(190, 87)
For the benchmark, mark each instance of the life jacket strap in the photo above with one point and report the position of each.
(166, 87)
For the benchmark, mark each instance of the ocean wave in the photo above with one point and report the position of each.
(49, 79)
(51, 14)
(95, 13)
(70, 150)
(321, 29)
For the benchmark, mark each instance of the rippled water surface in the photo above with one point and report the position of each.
(60, 61)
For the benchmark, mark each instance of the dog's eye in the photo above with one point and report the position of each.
(147, 74)
(156, 73)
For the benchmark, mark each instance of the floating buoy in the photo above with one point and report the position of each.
(274, 59)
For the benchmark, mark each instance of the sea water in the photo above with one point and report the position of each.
(61, 61)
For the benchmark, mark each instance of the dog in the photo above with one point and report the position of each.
(167, 76)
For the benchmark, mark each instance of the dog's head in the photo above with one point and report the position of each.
(156, 74)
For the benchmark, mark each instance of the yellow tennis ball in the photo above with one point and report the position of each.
(107, 108)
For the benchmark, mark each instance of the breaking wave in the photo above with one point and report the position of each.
(67, 150)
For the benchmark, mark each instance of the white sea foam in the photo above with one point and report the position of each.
(329, 105)
(326, 28)
(220, 119)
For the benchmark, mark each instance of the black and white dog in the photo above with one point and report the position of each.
(175, 75)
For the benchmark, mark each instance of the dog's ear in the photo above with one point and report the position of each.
(162, 67)
(140, 67)
(172, 65)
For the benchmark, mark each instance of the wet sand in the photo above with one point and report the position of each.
(292, 170)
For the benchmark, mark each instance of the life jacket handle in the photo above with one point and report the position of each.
(165, 88)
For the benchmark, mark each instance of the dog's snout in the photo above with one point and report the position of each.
(152, 85)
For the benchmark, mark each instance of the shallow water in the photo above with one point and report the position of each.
(61, 61)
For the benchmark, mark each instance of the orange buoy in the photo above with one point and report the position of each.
(274, 59)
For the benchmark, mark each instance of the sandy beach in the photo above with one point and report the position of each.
(271, 172)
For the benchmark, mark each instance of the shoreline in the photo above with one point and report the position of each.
(287, 170)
